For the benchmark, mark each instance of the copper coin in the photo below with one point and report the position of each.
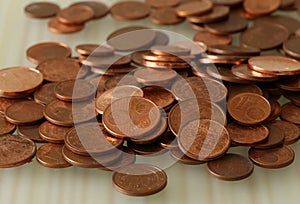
(234, 90)
(272, 158)
(291, 113)
(293, 96)
(150, 76)
(243, 135)
(233, 50)
(75, 90)
(99, 8)
(166, 58)
(184, 112)
(275, 138)
(233, 24)
(53, 133)
(203, 140)
(75, 15)
(47, 50)
(166, 16)
(94, 49)
(218, 13)
(290, 83)
(41, 9)
(128, 157)
(139, 180)
(197, 48)
(99, 83)
(107, 61)
(210, 39)
(162, 4)
(259, 36)
(291, 131)
(111, 95)
(15, 151)
(131, 117)
(130, 10)
(113, 71)
(6, 102)
(223, 59)
(160, 96)
(149, 150)
(249, 108)
(50, 155)
(287, 4)
(179, 156)
(24, 113)
(19, 82)
(91, 138)
(194, 8)
(31, 132)
(275, 110)
(55, 26)
(228, 2)
(57, 70)
(276, 65)
(240, 167)
(170, 50)
(257, 8)
(45, 94)
(120, 80)
(291, 47)
(224, 74)
(5, 126)
(166, 65)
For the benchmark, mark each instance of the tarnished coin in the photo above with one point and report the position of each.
(55, 26)
(130, 10)
(53, 133)
(166, 16)
(291, 47)
(45, 94)
(275, 138)
(194, 8)
(50, 155)
(162, 4)
(99, 8)
(139, 180)
(160, 96)
(41, 9)
(75, 15)
(272, 158)
(5, 126)
(258, 8)
(177, 154)
(151, 76)
(210, 39)
(240, 167)
(31, 132)
(15, 151)
(291, 113)
(203, 140)
(291, 131)
(25, 113)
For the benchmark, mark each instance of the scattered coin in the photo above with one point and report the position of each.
(99, 8)
(5, 126)
(41, 10)
(291, 47)
(31, 132)
(218, 13)
(257, 8)
(160, 96)
(162, 4)
(75, 15)
(291, 131)
(53, 133)
(166, 16)
(45, 94)
(291, 113)
(275, 138)
(130, 10)
(194, 8)
(177, 154)
(55, 26)
(94, 49)
(210, 39)
(151, 76)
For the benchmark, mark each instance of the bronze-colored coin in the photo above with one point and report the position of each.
(168, 140)
(53, 133)
(128, 157)
(275, 110)
(197, 48)
(194, 8)
(243, 71)
(15, 151)
(48, 50)
(100, 9)
(31, 132)
(6, 102)
(233, 50)
(276, 65)
(57, 70)
(166, 58)
(161, 38)
(19, 82)
(131, 117)
(50, 155)
(120, 80)
(291, 131)
(149, 150)
(224, 74)
(139, 180)
(150, 76)
(111, 95)
(275, 138)
(291, 113)
(91, 138)
(185, 111)
(240, 167)
(170, 50)
(94, 49)
(130, 10)
(203, 140)
(258, 36)
(247, 136)
(166, 16)
(41, 9)
(75, 15)
(291, 47)
(258, 8)
(233, 24)
(160, 96)
(272, 158)
(161, 4)
(179, 156)
(75, 90)
(105, 62)
(55, 26)
(290, 83)
(24, 113)
(45, 94)
(210, 39)
(218, 13)
(166, 65)
(234, 90)
(113, 71)
(232, 3)
(223, 59)
(249, 108)
(5, 126)
(293, 96)
(99, 83)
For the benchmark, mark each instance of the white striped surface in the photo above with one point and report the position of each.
(34, 184)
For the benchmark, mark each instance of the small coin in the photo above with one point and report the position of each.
(197, 48)
(5, 126)
(291, 131)
(149, 150)
(94, 50)
(275, 109)
(31, 132)
(24, 113)
(290, 83)
(75, 15)
(6, 102)
(149, 56)
(166, 16)
(179, 156)
(48, 50)
(170, 50)
(41, 10)
(203, 139)
(249, 108)
(55, 26)
(45, 94)
(160, 96)
(53, 133)
(130, 10)
(234, 90)
(291, 113)
(161, 38)
(218, 13)
(120, 80)
(113, 61)
(194, 8)
(223, 59)
(233, 50)
(150, 76)
(232, 3)
(165, 65)
(100, 9)
(240, 167)
(272, 158)
(210, 39)
(258, 8)
(161, 4)
(275, 138)
(294, 97)
(291, 47)
(50, 155)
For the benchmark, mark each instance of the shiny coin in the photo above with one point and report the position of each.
(130, 10)
(218, 13)
(53, 133)
(5, 126)
(55, 26)
(41, 9)
(257, 8)
(75, 15)
(194, 8)
(210, 39)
